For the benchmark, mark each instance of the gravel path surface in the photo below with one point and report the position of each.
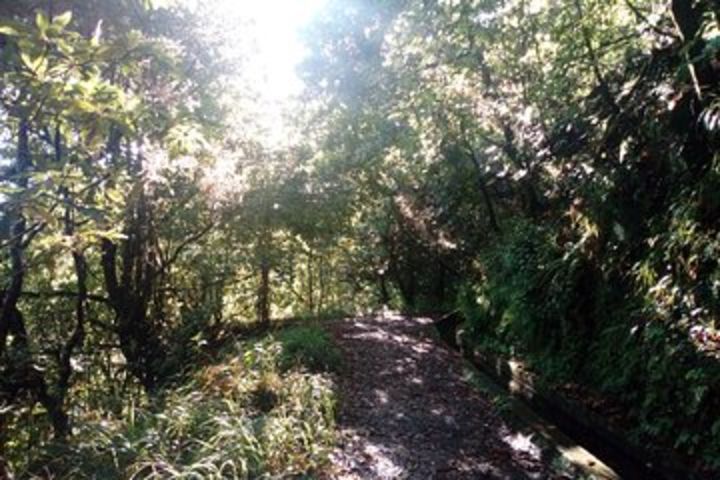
(407, 413)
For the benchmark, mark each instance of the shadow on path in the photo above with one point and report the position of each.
(407, 413)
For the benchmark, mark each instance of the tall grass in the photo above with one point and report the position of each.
(245, 417)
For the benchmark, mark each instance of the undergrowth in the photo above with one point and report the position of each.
(309, 347)
(573, 318)
(255, 414)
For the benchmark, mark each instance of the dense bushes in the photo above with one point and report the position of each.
(557, 309)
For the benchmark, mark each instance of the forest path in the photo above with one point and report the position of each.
(407, 413)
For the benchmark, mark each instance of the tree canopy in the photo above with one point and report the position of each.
(547, 168)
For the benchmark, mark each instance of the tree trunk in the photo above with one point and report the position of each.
(489, 206)
(311, 284)
(139, 340)
(22, 374)
(688, 22)
(595, 62)
(130, 294)
(78, 334)
(17, 233)
(384, 293)
(527, 183)
(263, 297)
(321, 285)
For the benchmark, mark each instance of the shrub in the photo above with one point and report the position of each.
(309, 347)
(215, 426)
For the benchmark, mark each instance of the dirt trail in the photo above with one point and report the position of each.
(407, 413)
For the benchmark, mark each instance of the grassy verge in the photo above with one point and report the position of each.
(266, 410)
(310, 347)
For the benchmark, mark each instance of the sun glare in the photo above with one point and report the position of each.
(279, 49)
(273, 29)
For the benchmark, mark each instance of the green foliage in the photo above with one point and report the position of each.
(211, 427)
(481, 320)
(549, 168)
(536, 303)
(528, 305)
(527, 298)
(310, 347)
(580, 233)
